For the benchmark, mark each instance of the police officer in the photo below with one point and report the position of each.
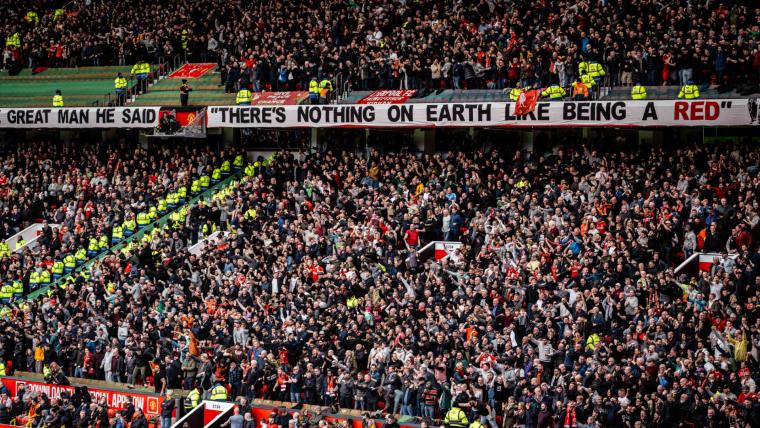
(58, 99)
(314, 90)
(638, 92)
(120, 88)
(243, 97)
(554, 92)
(689, 91)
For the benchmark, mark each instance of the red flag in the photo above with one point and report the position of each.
(527, 102)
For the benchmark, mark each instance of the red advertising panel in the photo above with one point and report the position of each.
(191, 71)
(149, 404)
(388, 97)
(277, 98)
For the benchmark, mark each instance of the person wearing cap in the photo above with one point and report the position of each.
(689, 91)
(638, 92)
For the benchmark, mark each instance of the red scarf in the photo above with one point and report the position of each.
(569, 417)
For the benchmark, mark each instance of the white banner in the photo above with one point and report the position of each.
(733, 112)
(76, 117)
(729, 112)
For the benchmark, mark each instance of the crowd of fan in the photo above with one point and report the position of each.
(405, 44)
(83, 190)
(561, 308)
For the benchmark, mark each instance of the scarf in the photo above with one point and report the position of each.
(569, 417)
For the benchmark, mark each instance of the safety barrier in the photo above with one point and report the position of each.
(31, 234)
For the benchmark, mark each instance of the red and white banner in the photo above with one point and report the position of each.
(192, 71)
(388, 97)
(660, 113)
(444, 249)
(150, 404)
(275, 110)
(278, 98)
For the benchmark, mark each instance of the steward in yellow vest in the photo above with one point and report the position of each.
(243, 97)
(58, 99)
(455, 418)
(638, 92)
(689, 91)
(314, 91)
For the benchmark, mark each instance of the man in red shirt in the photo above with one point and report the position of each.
(412, 237)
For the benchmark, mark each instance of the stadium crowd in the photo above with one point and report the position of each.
(80, 192)
(561, 307)
(398, 44)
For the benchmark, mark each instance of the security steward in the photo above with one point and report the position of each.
(638, 92)
(314, 91)
(120, 88)
(590, 83)
(193, 398)
(554, 92)
(580, 91)
(325, 89)
(596, 71)
(141, 69)
(689, 91)
(58, 99)
(218, 392)
(455, 418)
(243, 97)
(514, 93)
